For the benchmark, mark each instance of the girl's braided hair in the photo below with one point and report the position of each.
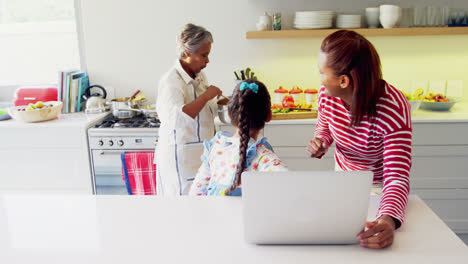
(249, 111)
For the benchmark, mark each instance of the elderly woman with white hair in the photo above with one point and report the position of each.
(186, 108)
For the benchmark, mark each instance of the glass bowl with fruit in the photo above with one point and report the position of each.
(436, 102)
(38, 112)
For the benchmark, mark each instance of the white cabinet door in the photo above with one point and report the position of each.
(45, 170)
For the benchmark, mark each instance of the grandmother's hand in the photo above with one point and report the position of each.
(212, 92)
(317, 148)
(379, 233)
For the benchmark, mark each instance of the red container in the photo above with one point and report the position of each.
(25, 95)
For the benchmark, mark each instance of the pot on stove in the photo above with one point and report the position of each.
(123, 110)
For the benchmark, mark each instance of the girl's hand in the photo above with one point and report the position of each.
(317, 148)
(379, 233)
(212, 92)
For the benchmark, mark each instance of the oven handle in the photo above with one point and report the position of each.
(110, 153)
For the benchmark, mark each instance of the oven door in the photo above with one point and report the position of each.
(107, 171)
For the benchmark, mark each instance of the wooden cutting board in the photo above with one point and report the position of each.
(294, 115)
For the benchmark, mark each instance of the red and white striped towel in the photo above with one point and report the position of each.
(139, 173)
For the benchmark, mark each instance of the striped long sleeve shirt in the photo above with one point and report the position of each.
(381, 144)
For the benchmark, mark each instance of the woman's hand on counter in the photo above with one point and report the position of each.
(212, 92)
(317, 148)
(379, 233)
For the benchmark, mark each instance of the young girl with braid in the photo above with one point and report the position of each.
(225, 157)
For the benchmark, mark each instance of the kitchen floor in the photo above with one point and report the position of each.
(464, 237)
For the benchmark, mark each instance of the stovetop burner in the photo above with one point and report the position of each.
(134, 122)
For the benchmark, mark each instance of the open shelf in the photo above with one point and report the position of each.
(317, 33)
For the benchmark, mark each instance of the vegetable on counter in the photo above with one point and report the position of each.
(288, 101)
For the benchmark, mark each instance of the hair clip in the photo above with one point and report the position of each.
(251, 86)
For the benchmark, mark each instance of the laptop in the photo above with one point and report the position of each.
(305, 207)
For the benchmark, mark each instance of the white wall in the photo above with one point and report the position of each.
(32, 54)
(130, 44)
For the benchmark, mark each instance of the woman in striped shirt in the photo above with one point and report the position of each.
(370, 123)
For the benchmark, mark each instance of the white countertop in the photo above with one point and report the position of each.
(458, 113)
(80, 119)
(150, 229)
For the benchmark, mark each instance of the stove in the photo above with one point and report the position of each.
(112, 137)
(135, 122)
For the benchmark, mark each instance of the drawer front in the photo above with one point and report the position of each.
(439, 167)
(451, 205)
(289, 136)
(296, 158)
(440, 133)
(42, 137)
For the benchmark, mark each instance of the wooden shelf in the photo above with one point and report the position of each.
(318, 33)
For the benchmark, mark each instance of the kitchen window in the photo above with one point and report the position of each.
(37, 39)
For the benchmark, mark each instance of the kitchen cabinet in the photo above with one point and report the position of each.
(47, 157)
(368, 32)
(439, 156)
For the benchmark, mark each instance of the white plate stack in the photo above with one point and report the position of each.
(348, 21)
(313, 19)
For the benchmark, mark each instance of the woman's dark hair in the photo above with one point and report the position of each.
(349, 53)
(249, 111)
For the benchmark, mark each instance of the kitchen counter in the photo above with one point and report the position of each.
(63, 120)
(47, 157)
(458, 113)
(141, 229)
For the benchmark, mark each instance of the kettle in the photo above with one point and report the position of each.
(96, 102)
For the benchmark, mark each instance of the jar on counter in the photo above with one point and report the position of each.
(279, 95)
(264, 22)
(277, 21)
(297, 94)
(311, 97)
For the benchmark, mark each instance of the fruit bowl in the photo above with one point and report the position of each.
(414, 105)
(437, 106)
(49, 111)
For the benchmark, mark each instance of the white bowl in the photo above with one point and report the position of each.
(36, 115)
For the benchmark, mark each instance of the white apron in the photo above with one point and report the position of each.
(180, 142)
